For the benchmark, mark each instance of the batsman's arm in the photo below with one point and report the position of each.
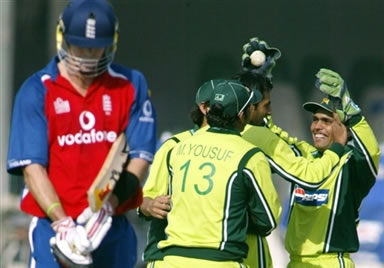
(139, 167)
(141, 137)
(128, 193)
(68, 234)
(42, 190)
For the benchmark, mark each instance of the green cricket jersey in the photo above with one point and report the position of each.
(155, 185)
(285, 161)
(324, 220)
(217, 181)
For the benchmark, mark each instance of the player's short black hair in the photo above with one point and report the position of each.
(196, 116)
(255, 81)
(217, 118)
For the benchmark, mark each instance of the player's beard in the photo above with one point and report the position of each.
(255, 120)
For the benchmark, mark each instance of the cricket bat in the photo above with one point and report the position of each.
(109, 174)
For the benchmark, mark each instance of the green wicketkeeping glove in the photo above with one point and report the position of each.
(331, 83)
(334, 85)
(271, 55)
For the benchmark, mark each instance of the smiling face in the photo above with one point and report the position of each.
(323, 129)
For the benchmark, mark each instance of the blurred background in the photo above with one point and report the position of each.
(180, 44)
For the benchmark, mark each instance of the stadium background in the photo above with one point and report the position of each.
(180, 44)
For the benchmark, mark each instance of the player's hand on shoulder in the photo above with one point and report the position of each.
(97, 224)
(70, 245)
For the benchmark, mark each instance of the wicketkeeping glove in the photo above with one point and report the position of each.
(334, 85)
(96, 224)
(271, 55)
(70, 245)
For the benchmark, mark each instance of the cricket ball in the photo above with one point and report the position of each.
(257, 58)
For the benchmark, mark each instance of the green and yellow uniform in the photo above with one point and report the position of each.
(217, 181)
(285, 159)
(155, 185)
(259, 255)
(334, 206)
(322, 222)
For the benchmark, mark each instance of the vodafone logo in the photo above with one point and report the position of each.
(87, 134)
(147, 112)
(147, 108)
(87, 120)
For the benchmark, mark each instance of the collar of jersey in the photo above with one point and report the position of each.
(224, 131)
(195, 128)
(317, 154)
(51, 69)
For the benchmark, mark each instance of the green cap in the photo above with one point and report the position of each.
(204, 92)
(328, 103)
(233, 96)
(257, 96)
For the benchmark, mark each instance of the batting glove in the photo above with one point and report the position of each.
(97, 224)
(334, 85)
(271, 56)
(70, 245)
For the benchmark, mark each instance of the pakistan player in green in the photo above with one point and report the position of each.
(274, 142)
(217, 181)
(156, 203)
(322, 223)
(278, 147)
